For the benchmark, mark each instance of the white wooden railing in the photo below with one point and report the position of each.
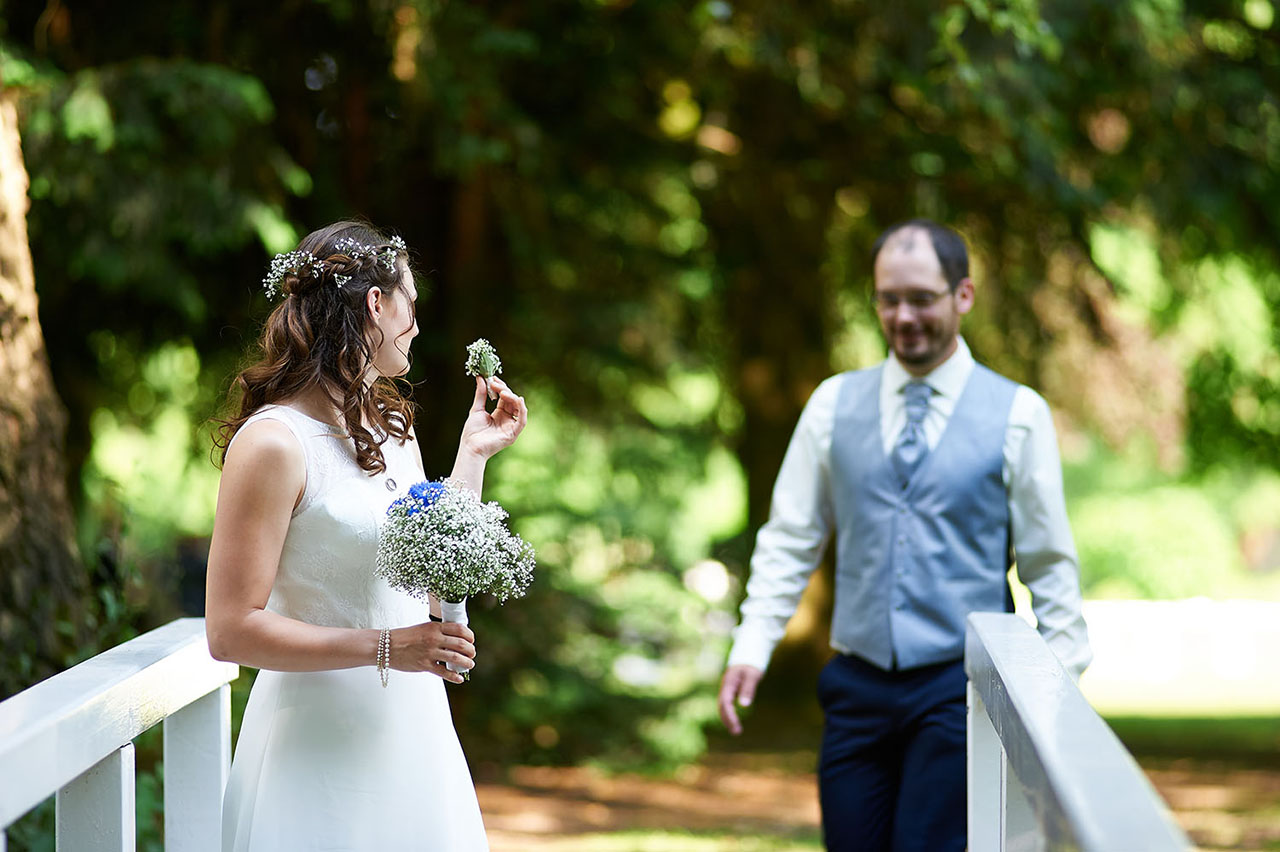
(1045, 772)
(72, 736)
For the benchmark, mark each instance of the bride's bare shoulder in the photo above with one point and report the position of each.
(265, 448)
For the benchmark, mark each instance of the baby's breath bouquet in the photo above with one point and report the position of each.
(440, 539)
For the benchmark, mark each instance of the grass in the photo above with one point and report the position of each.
(1249, 740)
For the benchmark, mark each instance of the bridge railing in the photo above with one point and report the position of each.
(1045, 772)
(72, 735)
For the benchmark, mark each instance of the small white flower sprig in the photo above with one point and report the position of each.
(299, 263)
(304, 263)
(386, 254)
(439, 538)
(482, 360)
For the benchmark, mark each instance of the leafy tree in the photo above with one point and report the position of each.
(660, 212)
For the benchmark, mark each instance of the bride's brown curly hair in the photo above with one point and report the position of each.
(319, 337)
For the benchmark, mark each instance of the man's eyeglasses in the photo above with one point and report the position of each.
(918, 300)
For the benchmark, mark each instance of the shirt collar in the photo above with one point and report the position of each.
(947, 379)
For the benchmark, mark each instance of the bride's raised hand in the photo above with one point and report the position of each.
(487, 432)
(429, 646)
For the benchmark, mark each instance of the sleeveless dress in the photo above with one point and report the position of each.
(330, 760)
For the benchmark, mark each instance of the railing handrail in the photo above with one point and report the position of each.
(1085, 789)
(59, 728)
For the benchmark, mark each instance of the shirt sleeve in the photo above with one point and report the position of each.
(1043, 547)
(790, 544)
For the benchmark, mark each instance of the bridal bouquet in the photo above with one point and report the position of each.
(440, 539)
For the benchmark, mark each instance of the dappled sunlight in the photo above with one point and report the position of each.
(746, 796)
(1221, 807)
(769, 802)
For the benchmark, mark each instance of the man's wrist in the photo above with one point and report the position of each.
(750, 650)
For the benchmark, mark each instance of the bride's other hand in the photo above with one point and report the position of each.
(486, 433)
(429, 646)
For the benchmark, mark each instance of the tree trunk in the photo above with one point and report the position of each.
(41, 576)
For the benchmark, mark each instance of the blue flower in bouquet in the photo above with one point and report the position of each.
(421, 495)
(441, 539)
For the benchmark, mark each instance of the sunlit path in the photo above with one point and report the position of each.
(744, 796)
(739, 797)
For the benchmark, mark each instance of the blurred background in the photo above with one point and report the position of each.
(661, 213)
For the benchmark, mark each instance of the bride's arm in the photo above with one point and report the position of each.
(262, 481)
(485, 434)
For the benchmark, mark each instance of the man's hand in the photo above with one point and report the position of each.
(738, 684)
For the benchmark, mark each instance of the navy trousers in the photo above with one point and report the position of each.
(891, 774)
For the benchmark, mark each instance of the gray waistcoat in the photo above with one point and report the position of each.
(911, 564)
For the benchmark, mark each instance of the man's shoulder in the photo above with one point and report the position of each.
(863, 378)
(1023, 398)
(982, 369)
(862, 374)
(826, 396)
(1004, 382)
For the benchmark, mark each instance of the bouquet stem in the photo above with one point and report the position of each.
(455, 611)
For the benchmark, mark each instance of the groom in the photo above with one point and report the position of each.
(932, 473)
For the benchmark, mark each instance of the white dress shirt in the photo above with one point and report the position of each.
(801, 519)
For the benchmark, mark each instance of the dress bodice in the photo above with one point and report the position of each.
(325, 575)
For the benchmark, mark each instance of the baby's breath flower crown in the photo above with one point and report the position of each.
(299, 263)
(439, 538)
(482, 360)
(304, 264)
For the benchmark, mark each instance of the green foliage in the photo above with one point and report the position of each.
(1234, 413)
(1165, 542)
(1146, 535)
(609, 654)
(659, 213)
(1223, 331)
(172, 157)
(147, 460)
(1246, 740)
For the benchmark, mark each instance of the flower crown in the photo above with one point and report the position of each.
(304, 263)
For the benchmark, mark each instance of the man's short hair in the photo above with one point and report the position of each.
(948, 245)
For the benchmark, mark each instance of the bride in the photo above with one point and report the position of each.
(336, 750)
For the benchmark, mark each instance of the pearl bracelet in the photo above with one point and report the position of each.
(384, 656)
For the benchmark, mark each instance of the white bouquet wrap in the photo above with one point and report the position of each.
(440, 539)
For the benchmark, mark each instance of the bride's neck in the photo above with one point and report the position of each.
(317, 405)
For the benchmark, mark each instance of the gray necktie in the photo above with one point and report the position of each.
(911, 447)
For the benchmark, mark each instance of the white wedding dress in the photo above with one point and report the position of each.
(330, 760)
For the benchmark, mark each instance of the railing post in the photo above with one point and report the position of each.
(986, 780)
(95, 811)
(197, 759)
(1065, 781)
(1021, 829)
